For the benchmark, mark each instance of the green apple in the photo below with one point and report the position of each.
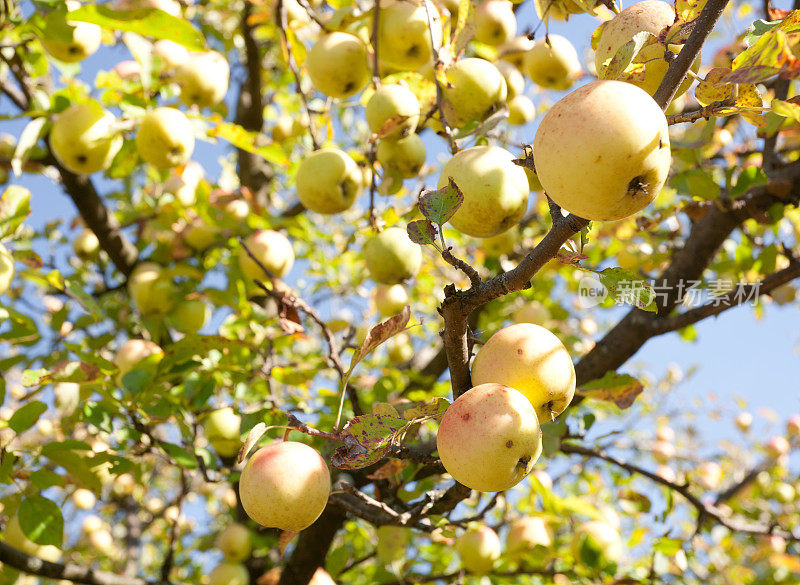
(521, 110)
(489, 438)
(514, 51)
(405, 156)
(272, 249)
(528, 534)
(189, 316)
(649, 66)
(235, 542)
(391, 257)
(151, 290)
(531, 359)
(165, 138)
(495, 22)
(602, 152)
(404, 38)
(390, 299)
(137, 354)
(285, 485)
(337, 65)
(532, 312)
(554, 65)
(328, 181)
(495, 190)
(222, 429)
(199, 235)
(391, 547)
(86, 245)
(170, 52)
(288, 127)
(596, 543)
(83, 138)
(515, 82)
(478, 548)
(6, 269)
(476, 88)
(203, 79)
(399, 349)
(229, 574)
(392, 112)
(501, 244)
(86, 37)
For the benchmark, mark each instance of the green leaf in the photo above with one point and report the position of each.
(41, 520)
(26, 416)
(668, 546)
(748, 178)
(440, 205)
(696, 183)
(422, 232)
(625, 56)
(15, 206)
(366, 440)
(7, 460)
(465, 25)
(148, 22)
(248, 141)
(551, 436)
(44, 478)
(31, 134)
(137, 380)
(621, 389)
(432, 409)
(626, 287)
(180, 455)
(758, 28)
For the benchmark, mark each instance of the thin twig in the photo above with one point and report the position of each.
(437, 64)
(709, 111)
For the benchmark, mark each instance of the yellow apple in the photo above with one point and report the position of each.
(554, 65)
(514, 50)
(405, 156)
(189, 316)
(137, 354)
(495, 190)
(170, 52)
(476, 88)
(495, 22)
(515, 82)
(596, 542)
(222, 429)
(83, 138)
(501, 244)
(521, 110)
(151, 289)
(229, 574)
(86, 245)
(198, 235)
(391, 257)
(337, 64)
(489, 438)
(390, 299)
(528, 534)
(328, 181)
(478, 548)
(86, 37)
(203, 79)
(165, 138)
(83, 499)
(399, 349)
(602, 152)
(649, 66)
(235, 543)
(285, 485)
(272, 249)
(404, 38)
(392, 112)
(531, 359)
(6, 269)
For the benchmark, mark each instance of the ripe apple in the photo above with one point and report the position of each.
(404, 38)
(273, 250)
(86, 245)
(391, 257)
(531, 359)
(14, 536)
(229, 574)
(778, 446)
(495, 190)
(137, 354)
(527, 534)
(151, 289)
(165, 138)
(223, 431)
(554, 65)
(476, 88)
(495, 22)
(337, 64)
(521, 110)
(596, 543)
(203, 79)
(86, 37)
(743, 421)
(515, 82)
(189, 316)
(237, 209)
(793, 426)
(649, 65)
(602, 152)
(478, 548)
(285, 485)
(390, 299)
(406, 156)
(235, 543)
(6, 269)
(663, 451)
(170, 52)
(489, 438)
(392, 542)
(532, 312)
(328, 181)
(392, 112)
(514, 50)
(83, 139)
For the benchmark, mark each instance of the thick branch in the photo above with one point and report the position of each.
(312, 547)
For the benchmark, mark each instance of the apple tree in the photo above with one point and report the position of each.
(349, 291)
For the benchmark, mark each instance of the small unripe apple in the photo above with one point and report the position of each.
(532, 312)
(527, 534)
(479, 549)
(337, 64)
(83, 139)
(405, 156)
(390, 299)
(391, 257)
(515, 82)
(489, 438)
(229, 574)
(6, 269)
(222, 428)
(663, 451)
(532, 360)
(495, 22)
(272, 249)
(203, 79)
(476, 88)
(392, 542)
(328, 181)
(189, 316)
(165, 138)
(404, 37)
(778, 446)
(392, 112)
(86, 37)
(554, 65)
(521, 110)
(602, 152)
(86, 245)
(596, 542)
(170, 52)
(793, 426)
(495, 190)
(514, 50)
(151, 289)
(235, 543)
(137, 354)
(285, 485)
(744, 421)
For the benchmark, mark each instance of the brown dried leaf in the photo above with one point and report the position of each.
(284, 539)
(389, 469)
